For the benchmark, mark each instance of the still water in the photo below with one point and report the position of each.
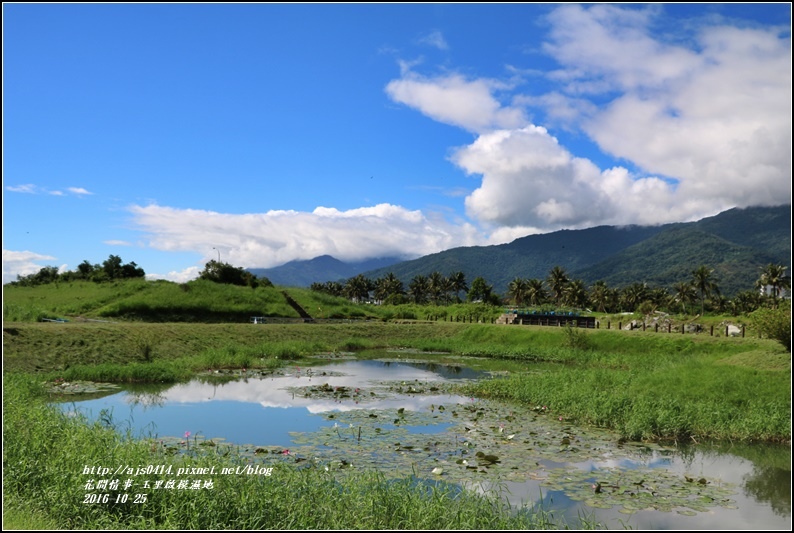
(400, 416)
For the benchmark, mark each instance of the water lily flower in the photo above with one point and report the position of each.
(187, 434)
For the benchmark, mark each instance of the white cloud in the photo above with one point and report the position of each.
(78, 191)
(182, 276)
(530, 181)
(434, 39)
(717, 119)
(454, 100)
(606, 47)
(22, 263)
(27, 188)
(117, 243)
(276, 237)
(30, 188)
(707, 125)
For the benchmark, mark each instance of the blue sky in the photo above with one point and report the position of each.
(169, 134)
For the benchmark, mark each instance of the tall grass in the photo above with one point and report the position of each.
(655, 396)
(46, 454)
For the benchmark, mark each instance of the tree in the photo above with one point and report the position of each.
(436, 286)
(85, 269)
(575, 294)
(458, 280)
(517, 290)
(634, 295)
(112, 267)
(357, 288)
(774, 323)
(480, 291)
(535, 293)
(774, 276)
(219, 272)
(705, 283)
(418, 289)
(388, 287)
(745, 302)
(557, 281)
(131, 270)
(684, 293)
(600, 296)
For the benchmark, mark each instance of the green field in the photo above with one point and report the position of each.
(642, 385)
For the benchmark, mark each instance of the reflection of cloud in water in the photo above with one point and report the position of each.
(723, 467)
(273, 391)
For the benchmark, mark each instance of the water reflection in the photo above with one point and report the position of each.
(763, 503)
(264, 410)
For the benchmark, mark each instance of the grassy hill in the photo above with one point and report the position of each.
(149, 301)
(202, 301)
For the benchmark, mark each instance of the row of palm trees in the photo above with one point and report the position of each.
(560, 290)
(702, 287)
(435, 288)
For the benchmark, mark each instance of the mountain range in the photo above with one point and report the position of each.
(736, 243)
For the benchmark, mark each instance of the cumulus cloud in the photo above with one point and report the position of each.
(276, 237)
(22, 263)
(717, 119)
(79, 191)
(177, 276)
(705, 125)
(531, 182)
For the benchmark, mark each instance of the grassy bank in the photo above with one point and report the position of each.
(45, 454)
(643, 385)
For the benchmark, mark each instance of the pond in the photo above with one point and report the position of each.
(403, 417)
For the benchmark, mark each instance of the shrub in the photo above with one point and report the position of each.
(774, 323)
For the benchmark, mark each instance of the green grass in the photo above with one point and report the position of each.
(649, 386)
(44, 485)
(643, 385)
(205, 301)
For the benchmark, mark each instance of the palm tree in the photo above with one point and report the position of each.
(634, 295)
(557, 280)
(458, 280)
(389, 285)
(746, 302)
(684, 292)
(535, 293)
(517, 290)
(774, 276)
(357, 288)
(576, 294)
(418, 289)
(600, 295)
(436, 286)
(705, 283)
